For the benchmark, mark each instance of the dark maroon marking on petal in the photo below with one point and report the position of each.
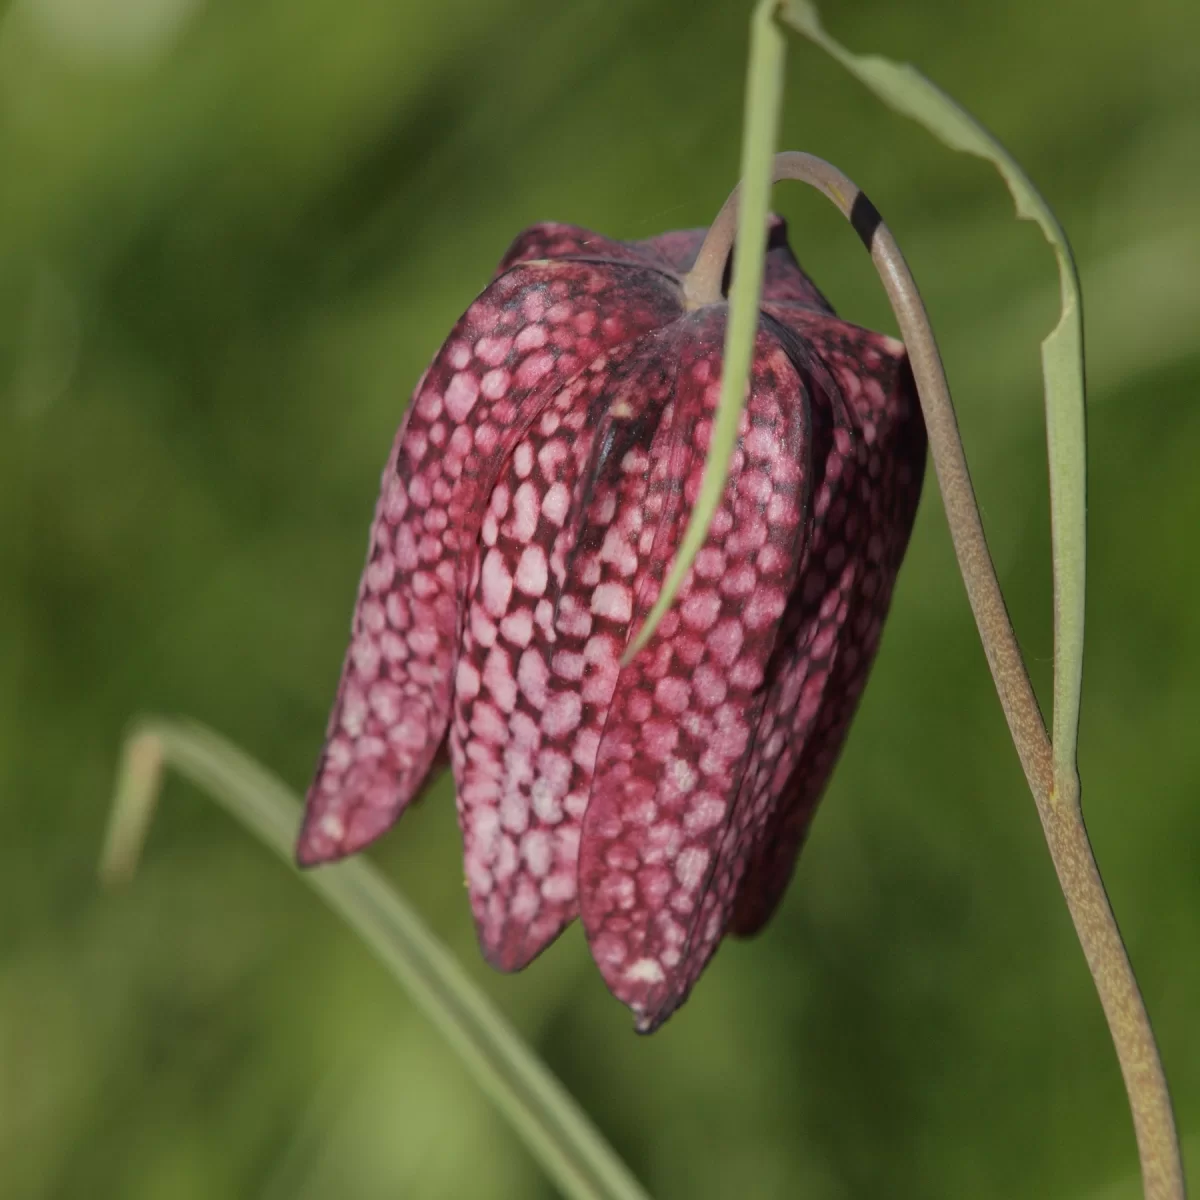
(681, 724)
(521, 341)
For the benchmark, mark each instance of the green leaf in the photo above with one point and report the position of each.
(910, 93)
(548, 1120)
(764, 99)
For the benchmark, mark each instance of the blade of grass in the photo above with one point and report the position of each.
(908, 91)
(552, 1125)
(764, 98)
(1054, 778)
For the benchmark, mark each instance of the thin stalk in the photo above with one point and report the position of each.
(543, 1113)
(764, 103)
(1058, 805)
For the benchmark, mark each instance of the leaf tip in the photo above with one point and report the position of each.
(138, 783)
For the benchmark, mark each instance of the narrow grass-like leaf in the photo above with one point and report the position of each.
(557, 1132)
(1056, 786)
(764, 98)
(909, 92)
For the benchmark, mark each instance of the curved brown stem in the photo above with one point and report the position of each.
(1058, 806)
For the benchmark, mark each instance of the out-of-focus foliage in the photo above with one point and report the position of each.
(231, 234)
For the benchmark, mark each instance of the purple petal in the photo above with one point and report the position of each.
(526, 336)
(866, 496)
(539, 658)
(663, 835)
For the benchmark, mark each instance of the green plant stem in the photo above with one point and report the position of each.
(764, 101)
(907, 91)
(1058, 804)
(541, 1110)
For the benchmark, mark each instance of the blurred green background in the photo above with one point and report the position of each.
(232, 233)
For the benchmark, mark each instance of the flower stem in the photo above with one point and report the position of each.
(1057, 799)
(542, 1112)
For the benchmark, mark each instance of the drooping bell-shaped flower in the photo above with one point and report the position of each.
(535, 496)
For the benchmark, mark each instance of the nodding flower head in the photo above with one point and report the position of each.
(534, 498)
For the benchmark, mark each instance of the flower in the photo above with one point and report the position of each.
(534, 498)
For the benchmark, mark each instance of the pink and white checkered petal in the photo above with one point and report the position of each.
(800, 672)
(867, 496)
(657, 844)
(527, 725)
(868, 369)
(507, 356)
(530, 334)
(393, 699)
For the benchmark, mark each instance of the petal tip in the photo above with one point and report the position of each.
(319, 841)
(646, 1023)
(332, 835)
(510, 945)
(309, 853)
